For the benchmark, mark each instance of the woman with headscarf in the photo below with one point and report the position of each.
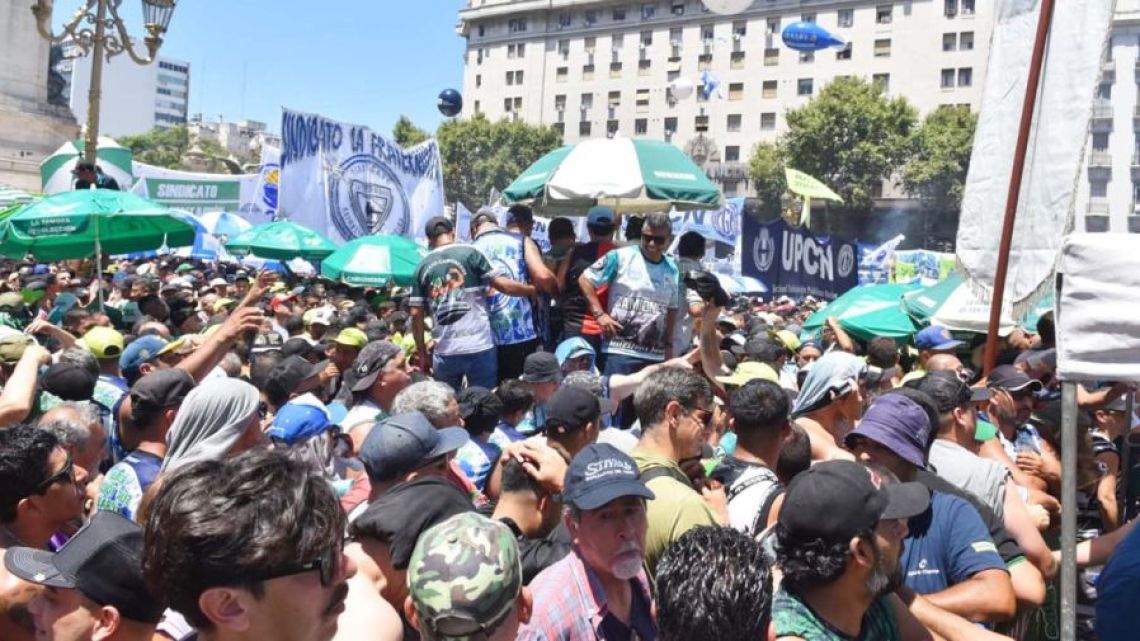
(830, 402)
(219, 418)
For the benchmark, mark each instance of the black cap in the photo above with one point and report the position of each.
(70, 381)
(370, 361)
(298, 346)
(162, 389)
(1012, 379)
(599, 474)
(404, 443)
(406, 511)
(437, 225)
(83, 164)
(479, 406)
(287, 376)
(570, 409)
(835, 501)
(520, 215)
(948, 391)
(103, 561)
(541, 367)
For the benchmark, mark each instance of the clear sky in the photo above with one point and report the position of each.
(359, 61)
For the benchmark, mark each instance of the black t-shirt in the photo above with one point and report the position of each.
(536, 555)
(1007, 546)
(574, 304)
(640, 620)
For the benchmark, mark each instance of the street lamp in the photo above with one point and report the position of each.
(104, 35)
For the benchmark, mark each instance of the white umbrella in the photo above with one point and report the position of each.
(113, 158)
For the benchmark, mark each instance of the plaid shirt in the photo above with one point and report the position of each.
(570, 603)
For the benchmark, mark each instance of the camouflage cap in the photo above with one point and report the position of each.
(464, 577)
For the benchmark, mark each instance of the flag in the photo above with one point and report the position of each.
(880, 256)
(807, 188)
(709, 85)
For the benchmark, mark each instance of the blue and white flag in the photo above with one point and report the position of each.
(263, 208)
(710, 85)
(881, 255)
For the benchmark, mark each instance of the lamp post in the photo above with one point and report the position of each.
(98, 30)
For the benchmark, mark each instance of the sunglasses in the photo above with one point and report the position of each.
(326, 563)
(66, 474)
(655, 240)
(704, 417)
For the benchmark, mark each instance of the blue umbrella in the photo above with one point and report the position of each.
(223, 223)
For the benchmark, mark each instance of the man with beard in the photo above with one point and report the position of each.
(600, 590)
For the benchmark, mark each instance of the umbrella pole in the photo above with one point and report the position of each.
(1068, 511)
(99, 265)
(1027, 109)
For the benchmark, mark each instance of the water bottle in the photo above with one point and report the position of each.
(1025, 442)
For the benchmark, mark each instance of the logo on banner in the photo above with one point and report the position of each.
(270, 181)
(764, 250)
(846, 260)
(366, 197)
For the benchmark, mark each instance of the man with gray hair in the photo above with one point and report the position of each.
(79, 428)
(644, 294)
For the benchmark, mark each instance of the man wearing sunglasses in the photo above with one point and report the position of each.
(644, 295)
(41, 491)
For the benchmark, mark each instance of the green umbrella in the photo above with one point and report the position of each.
(77, 224)
(281, 240)
(374, 261)
(952, 304)
(867, 312)
(628, 175)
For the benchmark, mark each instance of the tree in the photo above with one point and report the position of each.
(159, 147)
(937, 169)
(479, 155)
(852, 137)
(407, 134)
(766, 171)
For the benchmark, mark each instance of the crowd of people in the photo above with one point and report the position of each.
(592, 442)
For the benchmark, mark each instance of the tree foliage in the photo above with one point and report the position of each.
(167, 148)
(937, 169)
(479, 155)
(766, 171)
(407, 134)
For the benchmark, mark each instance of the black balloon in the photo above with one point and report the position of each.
(450, 103)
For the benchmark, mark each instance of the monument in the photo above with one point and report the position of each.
(33, 121)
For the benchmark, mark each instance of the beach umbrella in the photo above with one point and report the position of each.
(77, 224)
(630, 176)
(113, 158)
(10, 196)
(750, 285)
(867, 312)
(374, 261)
(953, 305)
(281, 240)
(224, 224)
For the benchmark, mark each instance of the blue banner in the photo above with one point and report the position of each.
(721, 225)
(795, 263)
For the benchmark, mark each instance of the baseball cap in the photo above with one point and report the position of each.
(219, 282)
(479, 406)
(948, 391)
(371, 361)
(162, 389)
(1012, 379)
(70, 381)
(464, 600)
(541, 367)
(320, 316)
(287, 376)
(788, 338)
(184, 267)
(1047, 416)
(299, 346)
(266, 342)
(571, 408)
(437, 225)
(351, 337)
(141, 350)
(834, 501)
(599, 474)
(601, 218)
(406, 442)
(898, 424)
(1119, 404)
(12, 347)
(299, 420)
(280, 299)
(12, 303)
(103, 561)
(936, 337)
(749, 371)
(103, 342)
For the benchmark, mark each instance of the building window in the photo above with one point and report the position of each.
(516, 25)
(642, 100)
(678, 8)
(478, 80)
(647, 38)
(804, 86)
(844, 53)
(773, 26)
(564, 47)
(740, 28)
(769, 89)
(947, 78)
(640, 126)
(708, 33)
(591, 16)
(510, 78)
(1100, 142)
(846, 18)
(949, 42)
(675, 36)
(967, 7)
(730, 187)
(477, 107)
(560, 102)
(587, 100)
(618, 14)
(479, 55)
(1098, 189)
(951, 8)
(615, 70)
(507, 105)
(883, 80)
(587, 72)
(670, 125)
(562, 74)
(732, 123)
(614, 99)
(584, 128)
(771, 57)
(768, 121)
(643, 67)
(736, 91)
(966, 41)
(807, 17)
(565, 20)
(966, 77)
(883, 48)
(612, 127)
(704, 62)
(1104, 91)
(701, 124)
(883, 14)
(732, 153)
(591, 44)
(617, 41)
(807, 57)
(648, 10)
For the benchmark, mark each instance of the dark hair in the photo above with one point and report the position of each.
(515, 395)
(560, 228)
(151, 300)
(74, 317)
(295, 324)
(515, 480)
(762, 349)
(261, 364)
(795, 455)
(1047, 329)
(691, 245)
(633, 225)
(713, 583)
(809, 564)
(217, 523)
(685, 386)
(882, 352)
(759, 407)
(928, 405)
(25, 454)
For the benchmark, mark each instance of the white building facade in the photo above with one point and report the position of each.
(135, 98)
(242, 139)
(604, 67)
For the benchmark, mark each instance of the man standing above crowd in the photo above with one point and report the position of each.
(577, 320)
(450, 282)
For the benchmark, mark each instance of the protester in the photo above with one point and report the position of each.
(380, 372)
(542, 373)
(88, 175)
(531, 479)
(830, 402)
(759, 418)
(518, 401)
(480, 410)
(218, 418)
(578, 319)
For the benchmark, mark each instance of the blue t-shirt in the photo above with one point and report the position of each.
(947, 544)
(1118, 591)
(505, 434)
(475, 459)
(124, 484)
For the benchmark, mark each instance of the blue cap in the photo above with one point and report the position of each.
(141, 350)
(599, 474)
(898, 424)
(600, 217)
(40, 270)
(936, 338)
(406, 442)
(296, 422)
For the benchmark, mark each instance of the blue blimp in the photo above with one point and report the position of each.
(450, 103)
(809, 36)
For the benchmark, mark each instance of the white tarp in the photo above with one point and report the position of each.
(1098, 308)
(1056, 144)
